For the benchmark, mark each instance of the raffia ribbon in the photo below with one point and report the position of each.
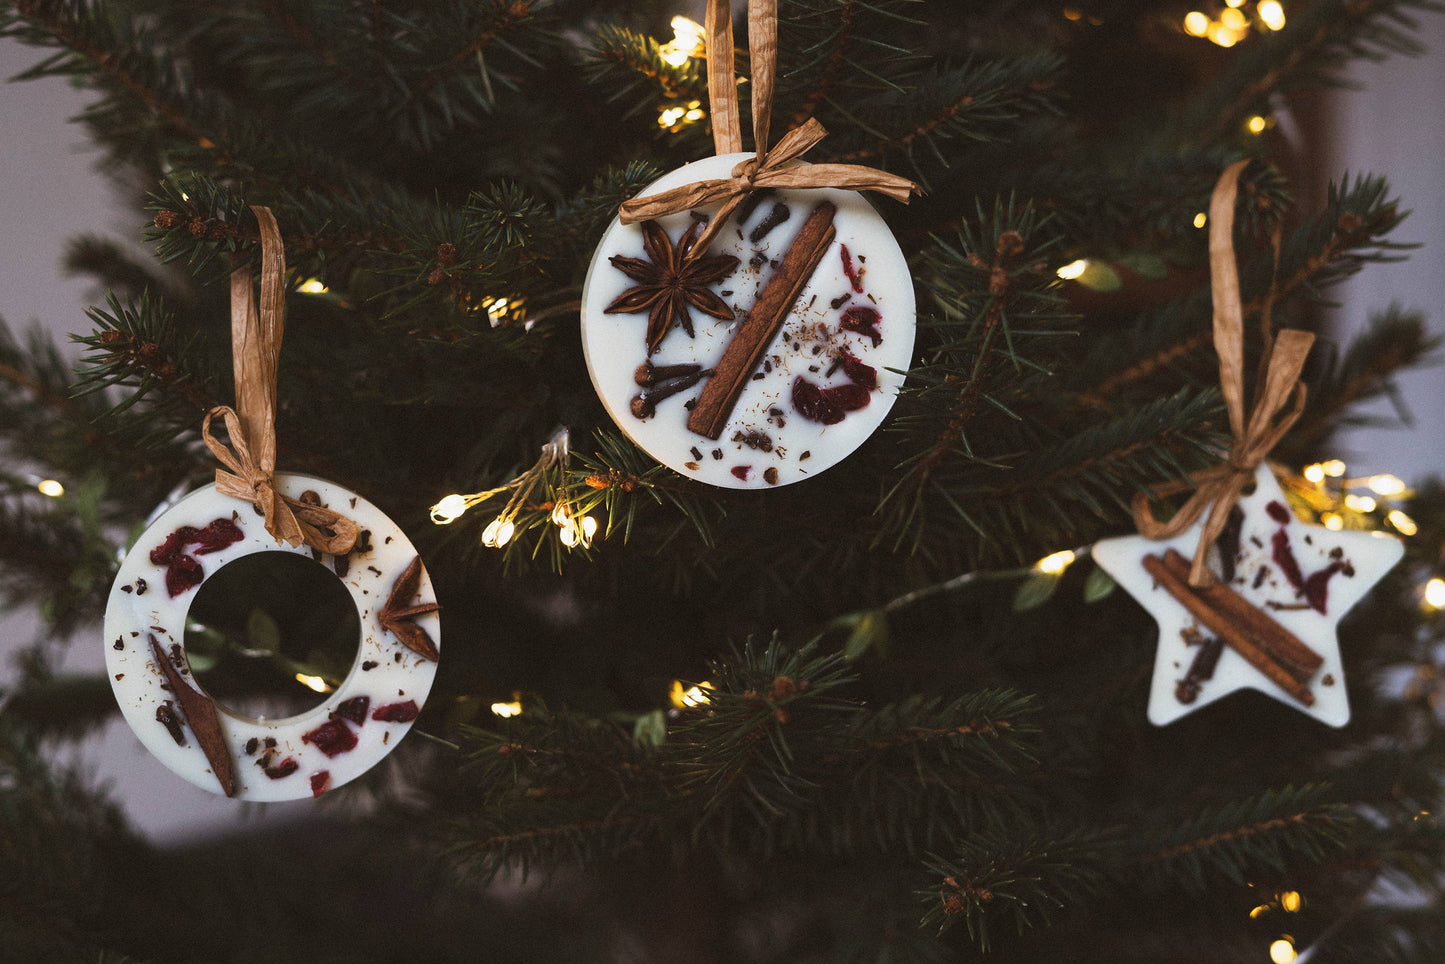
(768, 168)
(1219, 488)
(251, 425)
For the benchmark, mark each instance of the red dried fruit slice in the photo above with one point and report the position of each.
(320, 782)
(285, 768)
(862, 320)
(354, 709)
(331, 738)
(183, 573)
(396, 713)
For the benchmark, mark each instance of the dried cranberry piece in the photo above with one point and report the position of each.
(285, 768)
(396, 712)
(812, 404)
(166, 553)
(1317, 586)
(864, 376)
(741, 471)
(331, 738)
(1278, 513)
(1283, 555)
(320, 782)
(183, 573)
(862, 320)
(217, 536)
(354, 709)
(849, 398)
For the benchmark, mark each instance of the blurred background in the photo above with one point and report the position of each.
(1392, 123)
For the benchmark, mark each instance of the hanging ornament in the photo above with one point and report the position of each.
(1246, 596)
(251, 508)
(747, 318)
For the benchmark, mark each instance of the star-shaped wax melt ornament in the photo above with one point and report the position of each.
(1271, 621)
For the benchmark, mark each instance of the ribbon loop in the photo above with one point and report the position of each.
(1256, 432)
(250, 459)
(767, 168)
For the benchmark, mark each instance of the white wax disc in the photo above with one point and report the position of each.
(272, 759)
(825, 381)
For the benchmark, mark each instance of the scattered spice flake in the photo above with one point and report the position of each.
(118, 644)
(862, 320)
(140, 586)
(1201, 669)
(754, 439)
(741, 471)
(775, 217)
(320, 782)
(717, 455)
(166, 715)
(127, 588)
(691, 466)
(695, 453)
(1259, 577)
(119, 677)
(397, 712)
(1227, 544)
(838, 302)
(331, 738)
(1278, 513)
(251, 746)
(363, 538)
(854, 275)
(1328, 679)
(805, 456)
(369, 665)
(354, 709)
(341, 565)
(770, 475)
(285, 768)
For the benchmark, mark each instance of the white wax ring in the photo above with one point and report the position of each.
(393, 679)
(766, 442)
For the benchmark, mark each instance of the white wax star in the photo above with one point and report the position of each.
(1348, 564)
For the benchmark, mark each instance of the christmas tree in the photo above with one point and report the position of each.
(892, 711)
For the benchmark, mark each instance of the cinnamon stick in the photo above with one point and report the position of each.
(760, 325)
(1286, 648)
(1237, 638)
(202, 718)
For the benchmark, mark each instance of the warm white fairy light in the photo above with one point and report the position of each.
(1056, 562)
(1256, 124)
(51, 488)
(1232, 19)
(686, 697)
(1435, 593)
(1290, 901)
(498, 533)
(313, 683)
(1282, 951)
(1334, 468)
(1196, 24)
(1271, 14)
(1360, 503)
(505, 710)
(1201, 219)
(312, 286)
(1333, 521)
(688, 40)
(500, 309)
(1386, 485)
(1403, 523)
(1073, 269)
(1314, 473)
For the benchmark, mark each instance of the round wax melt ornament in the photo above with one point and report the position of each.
(269, 759)
(763, 360)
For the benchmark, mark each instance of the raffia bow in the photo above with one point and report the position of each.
(768, 168)
(251, 425)
(1219, 488)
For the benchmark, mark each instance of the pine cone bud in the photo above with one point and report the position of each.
(166, 220)
(598, 481)
(446, 254)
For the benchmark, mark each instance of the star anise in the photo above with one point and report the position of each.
(668, 282)
(399, 619)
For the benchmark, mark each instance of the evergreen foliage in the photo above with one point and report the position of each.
(895, 711)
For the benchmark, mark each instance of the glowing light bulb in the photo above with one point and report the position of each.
(1360, 503)
(505, 710)
(51, 488)
(448, 510)
(1073, 269)
(1256, 124)
(312, 286)
(1403, 524)
(589, 528)
(1234, 3)
(1259, 911)
(1334, 468)
(1315, 473)
(1271, 14)
(1055, 562)
(1333, 521)
(1291, 901)
(314, 683)
(560, 515)
(497, 533)
(1071, 14)
(688, 697)
(1282, 951)
(1201, 219)
(687, 42)
(569, 535)
(1385, 485)
(669, 117)
(1435, 593)
(1232, 19)
(1196, 24)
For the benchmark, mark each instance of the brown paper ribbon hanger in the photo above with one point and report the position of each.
(1219, 488)
(767, 168)
(251, 425)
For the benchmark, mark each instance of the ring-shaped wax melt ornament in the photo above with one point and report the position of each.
(269, 759)
(773, 355)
